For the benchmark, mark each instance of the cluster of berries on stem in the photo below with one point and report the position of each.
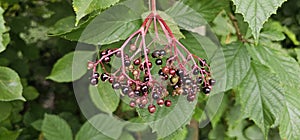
(153, 67)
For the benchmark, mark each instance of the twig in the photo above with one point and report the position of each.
(237, 29)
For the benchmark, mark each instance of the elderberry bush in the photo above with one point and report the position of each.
(151, 66)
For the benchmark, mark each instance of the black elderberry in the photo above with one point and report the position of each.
(212, 82)
(202, 63)
(103, 53)
(106, 59)
(116, 85)
(96, 75)
(125, 90)
(138, 93)
(187, 81)
(144, 88)
(199, 80)
(196, 71)
(206, 90)
(146, 78)
(104, 76)
(127, 63)
(118, 54)
(176, 87)
(163, 52)
(155, 95)
(137, 62)
(94, 81)
(180, 73)
(158, 62)
(161, 73)
(156, 54)
(185, 91)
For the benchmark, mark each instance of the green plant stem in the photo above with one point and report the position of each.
(237, 29)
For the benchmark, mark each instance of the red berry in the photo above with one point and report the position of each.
(137, 62)
(165, 70)
(160, 102)
(172, 72)
(168, 103)
(151, 108)
(132, 104)
(90, 65)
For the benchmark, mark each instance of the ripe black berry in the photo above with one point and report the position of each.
(106, 59)
(199, 80)
(146, 78)
(118, 54)
(116, 85)
(163, 52)
(202, 63)
(212, 82)
(127, 63)
(161, 73)
(206, 90)
(96, 75)
(180, 73)
(155, 54)
(94, 81)
(137, 62)
(125, 90)
(155, 95)
(144, 88)
(104, 76)
(158, 62)
(138, 93)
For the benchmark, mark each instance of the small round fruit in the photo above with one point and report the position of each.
(116, 85)
(132, 104)
(125, 90)
(163, 52)
(155, 95)
(199, 80)
(191, 98)
(137, 62)
(131, 94)
(141, 106)
(161, 73)
(158, 62)
(144, 88)
(202, 63)
(160, 102)
(180, 73)
(165, 70)
(104, 76)
(96, 75)
(151, 108)
(94, 81)
(212, 82)
(106, 59)
(127, 63)
(196, 71)
(118, 54)
(206, 90)
(90, 65)
(138, 93)
(156, 54)
(168, 103)
(172, 72)
(146, 78)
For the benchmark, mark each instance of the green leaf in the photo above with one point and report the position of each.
(217, 133)
(186, 17)
(261, 96)
(71, 67)
(289, 127)
(55, 128)
(126, 136)
(254, 133)
(257, 12)
(216, 111)
(298, 54)
(9, 135)
(237, 64)
(37, 125)
(284, 65)
(273, 30)
(5, 109)
(10, 85)
(89, 132)
(113, 25)
(180, 134)
(85, 7)
(167, 120)
(291, 35)
(209, 9)
(101, 126)
(4, 37)
(30, 93)
(104, 97)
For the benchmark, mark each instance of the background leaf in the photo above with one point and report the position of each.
(261, 88)
(84, 7)
(4, 37)
(186, 17)
(257, 12)
(5, 109)
(290, 117)
(10, 85)
(237, 64)
(71, 67)
(8, 135)
(55, 128)
(112, 25)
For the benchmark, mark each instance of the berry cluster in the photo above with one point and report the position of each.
(151, 70)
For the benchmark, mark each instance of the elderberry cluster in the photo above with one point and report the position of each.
(153, 68)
